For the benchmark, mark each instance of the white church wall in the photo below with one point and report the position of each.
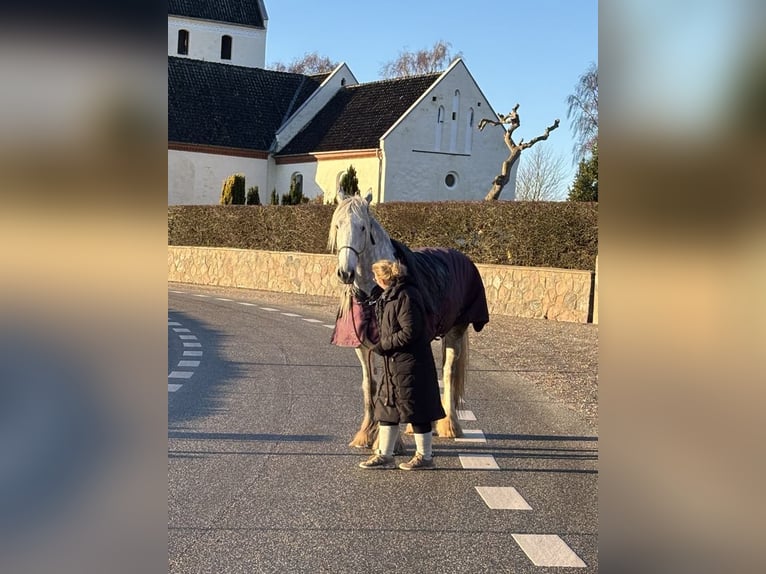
(422, 157)
(248, 46)
(196, 178)
(323, 176)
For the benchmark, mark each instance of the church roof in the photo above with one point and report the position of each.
(246, 12)
(231, 106)
(357, 116)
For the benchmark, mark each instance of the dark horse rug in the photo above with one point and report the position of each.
(452, 288)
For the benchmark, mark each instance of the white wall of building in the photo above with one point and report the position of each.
(420, 152)
(323, 176)
(197, 178)
(248, 44)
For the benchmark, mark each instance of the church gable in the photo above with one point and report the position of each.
(231, 106)
(358, 116)
(244, 12)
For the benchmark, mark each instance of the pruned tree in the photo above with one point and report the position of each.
(421, 62)
(308, 64)
(583, 111)
(540, 175)
(513, 120)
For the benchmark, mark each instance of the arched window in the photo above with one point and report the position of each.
(469, 132)
(439, 126)
(183, 42)
(226, 47)
(296, 182)
(453, 126)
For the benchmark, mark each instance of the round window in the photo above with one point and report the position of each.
(450, 180)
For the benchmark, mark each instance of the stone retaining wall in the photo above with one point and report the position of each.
(535, 292)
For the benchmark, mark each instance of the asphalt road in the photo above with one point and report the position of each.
(260, 478)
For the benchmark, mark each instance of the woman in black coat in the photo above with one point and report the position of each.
(409, 390)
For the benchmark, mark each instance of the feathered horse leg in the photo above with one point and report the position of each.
(455, 367)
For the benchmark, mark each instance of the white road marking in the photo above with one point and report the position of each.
(181, 330)
(268, 309)
(312, 320)
(172, 387)
(176, 291)
(200, 295)
(548, 550)
(466, 415)
(180, 374)
(248, 304)
(502, 498)
(174, 324)
(222, 299)
(188, 363)
(329, 326)
(192, 353)
(474, 435)
(478, 462)
(192, 344)
(290, 315)
(187, 337)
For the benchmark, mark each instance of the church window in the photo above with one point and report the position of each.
(226, 48)
(183, 42)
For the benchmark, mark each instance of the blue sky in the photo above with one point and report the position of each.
(529, 52)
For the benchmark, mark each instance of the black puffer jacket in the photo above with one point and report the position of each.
(409, 390)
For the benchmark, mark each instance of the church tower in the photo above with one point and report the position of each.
(223, 31)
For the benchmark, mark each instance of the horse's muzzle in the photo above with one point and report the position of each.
(346, 277)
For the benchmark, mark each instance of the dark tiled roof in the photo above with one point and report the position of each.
(245, 12)
(358, 115)
(224, 105)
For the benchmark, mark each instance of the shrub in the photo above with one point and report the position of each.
(252, 196)
(233, 190)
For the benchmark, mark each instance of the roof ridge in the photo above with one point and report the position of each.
(399, 79)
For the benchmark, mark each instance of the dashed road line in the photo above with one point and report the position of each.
(188, 340)
(502, 498)
(548, 550)
(473, 435)
(466, 415)
(478, 462)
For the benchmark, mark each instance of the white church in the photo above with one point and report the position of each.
(409, 139)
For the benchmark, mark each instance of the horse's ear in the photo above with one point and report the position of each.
(368, 197)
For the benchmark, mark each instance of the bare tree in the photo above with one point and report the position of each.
(420, 62)
(308, 64)
(583, 110)
(540, 176)
(505, 172)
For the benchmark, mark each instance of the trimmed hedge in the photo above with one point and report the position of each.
(532, 234)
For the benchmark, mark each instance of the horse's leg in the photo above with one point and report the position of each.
(455, 361)
(367, 433)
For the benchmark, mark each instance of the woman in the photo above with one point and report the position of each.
(409, 391)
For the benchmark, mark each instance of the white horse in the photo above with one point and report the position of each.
(452, 291)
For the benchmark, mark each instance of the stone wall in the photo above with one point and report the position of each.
(543, 293)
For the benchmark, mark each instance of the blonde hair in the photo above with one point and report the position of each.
(387, 270)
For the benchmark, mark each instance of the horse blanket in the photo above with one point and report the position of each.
(452, 289)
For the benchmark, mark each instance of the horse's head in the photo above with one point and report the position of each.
(350, 235)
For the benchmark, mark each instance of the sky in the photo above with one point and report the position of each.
(526, 52)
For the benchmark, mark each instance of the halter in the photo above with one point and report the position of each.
(362, 250)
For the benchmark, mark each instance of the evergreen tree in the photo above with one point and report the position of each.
(253, 198)
(349, 184)
(585, 185)
(274, 197)
(233, 191)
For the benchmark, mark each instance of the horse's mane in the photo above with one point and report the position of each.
(428, 272)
